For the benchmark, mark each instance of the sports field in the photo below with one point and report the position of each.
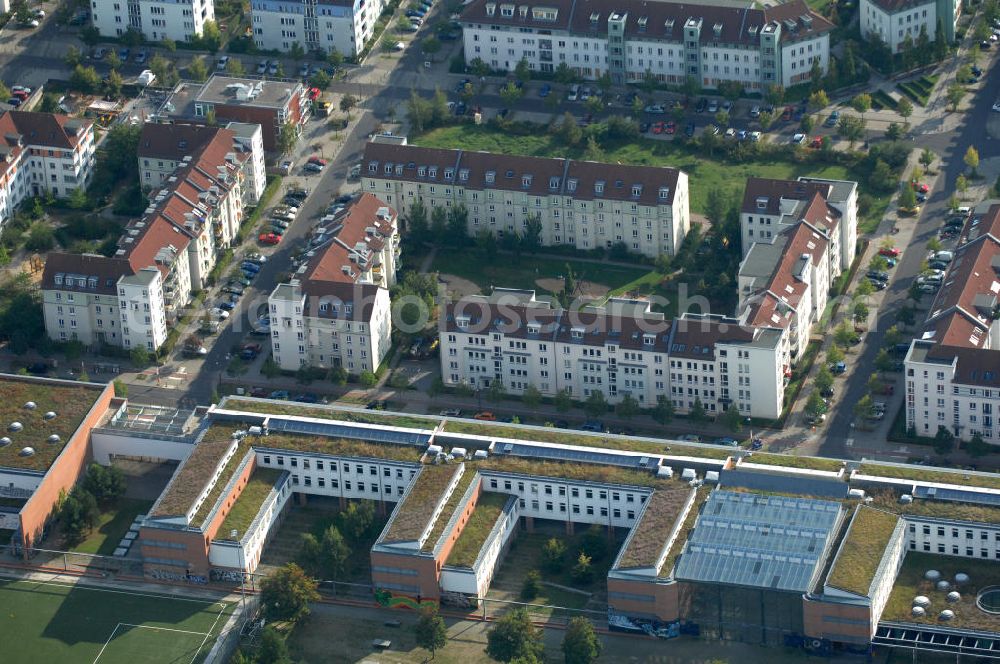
(57, 622)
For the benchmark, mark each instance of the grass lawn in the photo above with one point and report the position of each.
(704, 174)
(55, 622)
(862, 550)
(112, 526)
(247, 506)
(507, 272)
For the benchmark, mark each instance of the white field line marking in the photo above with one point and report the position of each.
(113, 632)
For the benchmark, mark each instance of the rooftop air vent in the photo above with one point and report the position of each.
(918, 612)
(5, 441)
(54, 438)
(31, 405)
(27, 452)
(953, 596)
(51, 415)
(15, 426)
(921, 600)
(946, 615)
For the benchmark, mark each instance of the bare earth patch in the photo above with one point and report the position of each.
(457, 286)
(584, 288)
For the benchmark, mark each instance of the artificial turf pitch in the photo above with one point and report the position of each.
(57, 622)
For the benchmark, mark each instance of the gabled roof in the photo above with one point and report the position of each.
(176, 141)
(361, 232)
(100, 273)
(44, 129)
(763, 195)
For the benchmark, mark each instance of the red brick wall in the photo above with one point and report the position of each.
(194, 553)
(426, 580)
(814, 611)
(65, 470)
(463, 519)
(211, 528)
(265, 117)
(665, 604)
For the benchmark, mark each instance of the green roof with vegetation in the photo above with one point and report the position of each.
(414, 513)
(324, 445)
(449, 509)
(862, 550)
(563, 437)
(247, 506)
(321, 411)
(911, 582)
(227, 474)
(190, 479)
(795, 461)
(585, 472)
(942, 509)
(667, 569)
(477, 529)
(650, 534)
(927, 474)
(70, 402)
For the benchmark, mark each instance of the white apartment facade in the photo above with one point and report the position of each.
(335, 311)
(155, 19)
(587, 205)
(672, 42)
(623, 348)
(40, 154)
(140, 302)
(897, 21)
(345, 26)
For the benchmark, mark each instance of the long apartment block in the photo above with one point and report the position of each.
(953, 367)
(630, 40)
(344, 26)
(786, 551)
(131, 298)
(582, 204)
(156, 20)
(622, 348)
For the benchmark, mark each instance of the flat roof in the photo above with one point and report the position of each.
(262, 92)
(69, 400)
(484, 517)
(449, 508)
(861, 552)
(329, 412)
(189, 480)
(767, 542)
(911, 583)
(651, 532)
(246, 507)
(414, 513)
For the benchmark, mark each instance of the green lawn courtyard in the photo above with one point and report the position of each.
(57, 622)
(112, 526)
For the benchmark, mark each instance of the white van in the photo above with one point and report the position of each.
(964, 210)
(574, 92)
(945, 256)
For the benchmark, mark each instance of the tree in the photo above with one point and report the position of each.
(85, 79)
(862, 103)
(731, 90)
(113, 84)
(139, 357)
(113, 59)
(697, 412)
(583, 569)
(954, 95)
(628, 407)
(864, 408)
(197, 70)
(553, 555)
(348, 102)
(210, 38)
(90, 35)
(971, 160)
(961, 184)
(580, 644)
(834, 355)
(766, 118)
(430, 631)
(73, 57)
(907, 198)
(843, 335)
(496, 392)
(430, 46)
(564, 74)
(510, 93)
(514, 636)
(816, 74)
(531, 396)
(79, 513)
(168, 45)
(40, 238)
(894, 132)
(595, 405)
(824, 379)
(532, 586)
(522, 72)
(335, 58)
(357, 519)
(732, 419)
(883, 362)
(860, 312)
(287, 593)
(367, 379)
(273, 649)
(977, 447)
(439, 224)
(944, 441)
(235, 67)
(815, 406)
(563, 400)
(818, 101)
(905, 109)
(851, 128)
(105, 483)
(532, 238)
(287, 137)
(864, 289)
(722, 119)
(774, 94)
(568, 131)
(334, 554)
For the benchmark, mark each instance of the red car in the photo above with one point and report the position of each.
(657, 127)
(269, 238)
(314, 93)
(891, 252)
(671, 127)
(787, 114)
(920, 187)
(316, 160)
(817, 143)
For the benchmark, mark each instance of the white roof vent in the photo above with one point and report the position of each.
(5, 441)
(27, 451)
(31, 405)
(943, 585)
(932, 575)
(54, 438)
(946, 615)
(918, 612)
(51, 415)
(953, 597)
(15, 426)
(921, 600)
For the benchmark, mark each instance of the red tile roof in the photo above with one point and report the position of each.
(106, 270)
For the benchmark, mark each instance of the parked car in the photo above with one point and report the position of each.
(262, 67)
(755, 111)
(726, 441)
(272, 68)
(486, 416)
(701, 105)
(713, 106)
(655, 109)
(593, 425)
(317, 160)
(140, 58)
(689, 438)
(250, 351)
(278, 394)
(451, 412)
(222, 63)
(832, 119)
(269, 238)
(312, 168)
(545, 90)
(232, 288)
(889, 251)
(838, 368)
